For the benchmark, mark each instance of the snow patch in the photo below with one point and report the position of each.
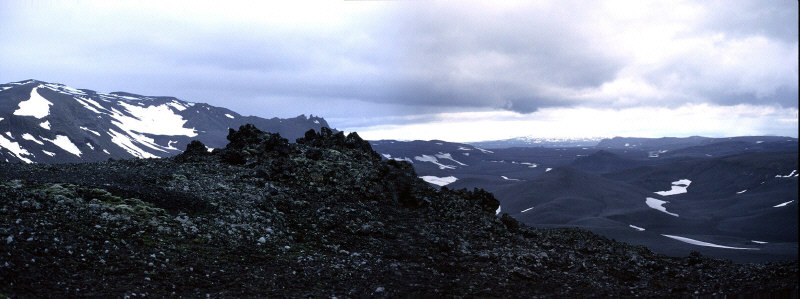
(701, 243)
(792, 174)
(9, 135)
(758, 242)
(678, 187)
(28, 136)
(447, 156)
(499, 209)
(45, 125)
(636, 227)
(15, 149)
(658, 205)
(507, 179)
(229, 116)
(105, 151)
(35, 106)
(157, 120)
(176, 105)
(484, 151)
(783, 204)
(86, 105)
(126, 143)
(461, 148)
(743, 191)
(525, 210)
(530, 165)
(90, 145)
(316, 121)
(441, 181)
(388, 156)
(548, 169)
(64, 143)
(49, 153)
(90, 131)
(432, 159)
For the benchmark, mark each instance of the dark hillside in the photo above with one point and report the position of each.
(321, 217)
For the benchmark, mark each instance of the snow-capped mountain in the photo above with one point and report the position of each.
(43, 122)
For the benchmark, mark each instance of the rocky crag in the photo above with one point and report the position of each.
(321, 217)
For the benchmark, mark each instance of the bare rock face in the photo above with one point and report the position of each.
(321, 217)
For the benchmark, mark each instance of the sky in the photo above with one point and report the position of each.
(451, 70)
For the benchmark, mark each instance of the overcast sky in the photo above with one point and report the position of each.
(458, 71)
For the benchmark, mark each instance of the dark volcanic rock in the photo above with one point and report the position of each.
(322, 217)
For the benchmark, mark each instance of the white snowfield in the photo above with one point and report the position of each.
(432, 159)
(440, 181)
(783, 204)
(45, 125)
(658, 205)
(35, 106)
(701, 243)
(678, 187)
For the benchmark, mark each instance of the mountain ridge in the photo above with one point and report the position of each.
(54, 123)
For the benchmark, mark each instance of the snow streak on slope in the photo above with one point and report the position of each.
(157, 120)
(658, 205)
(127, 144)
(28, 136)
(432, 159)
(64, 143)
(35, 106)
(441, 181)
(636, 227)
(701, 243)
(447, 156)
(15, 149)
(678, 187)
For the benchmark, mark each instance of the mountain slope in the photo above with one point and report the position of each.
(52, 123)
(323, 217)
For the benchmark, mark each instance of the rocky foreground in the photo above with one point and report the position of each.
(324, 217)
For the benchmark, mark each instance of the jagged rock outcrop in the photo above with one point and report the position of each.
(321, 217)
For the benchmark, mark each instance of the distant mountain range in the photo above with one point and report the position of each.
(538, 142)
(43, 122)
(725, 197)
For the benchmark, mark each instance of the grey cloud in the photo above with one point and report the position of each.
(406, 59)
